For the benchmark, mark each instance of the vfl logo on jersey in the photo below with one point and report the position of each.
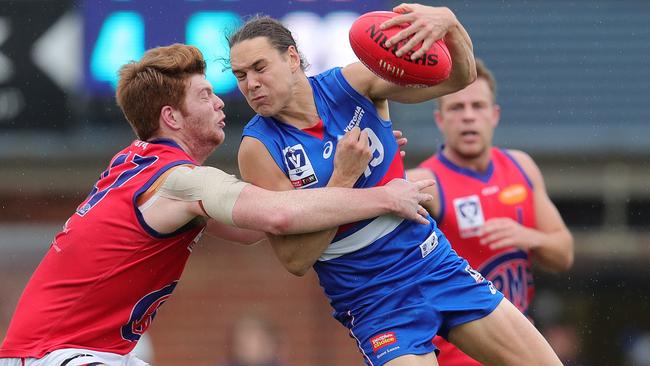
(513, 194)
(144, 312)
(511, 274)
(301, 172)
(382, 340)
(469, 215)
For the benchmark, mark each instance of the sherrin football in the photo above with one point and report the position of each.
(367, 41)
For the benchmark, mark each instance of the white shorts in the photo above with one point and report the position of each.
(76, 357)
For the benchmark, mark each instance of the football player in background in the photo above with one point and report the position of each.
(490, 202)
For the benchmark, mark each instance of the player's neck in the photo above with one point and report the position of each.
(199, 152)
(478, 163)
(301, 110)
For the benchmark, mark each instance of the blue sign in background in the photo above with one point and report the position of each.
(116, 32)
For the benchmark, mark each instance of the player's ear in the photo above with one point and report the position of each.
(496, 114)
(170, 117)
(437, 116)
(294, 58)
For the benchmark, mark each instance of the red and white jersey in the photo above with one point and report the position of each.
(467, 200)
(107, 272)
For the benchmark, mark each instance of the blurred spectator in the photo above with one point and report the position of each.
(253, 342)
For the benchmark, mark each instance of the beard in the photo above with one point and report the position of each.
(206, 136)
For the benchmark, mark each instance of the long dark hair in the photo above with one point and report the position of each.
(278, 35)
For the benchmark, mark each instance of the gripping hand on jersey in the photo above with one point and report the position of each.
(351, 158)
(401, 141)
(408, 197)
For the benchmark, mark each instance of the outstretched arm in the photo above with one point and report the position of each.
(187, 192)
(301, 211)
(428, 24)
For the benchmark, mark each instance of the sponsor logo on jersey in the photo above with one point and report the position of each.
(383, 340)
(327, 149)
(469, 215)
(488, 191)
(356, 119)
(301, 172)
(478, 277)
(511, 274)
(144, 312)
(513, 194)
(429, 245)
(141, 144)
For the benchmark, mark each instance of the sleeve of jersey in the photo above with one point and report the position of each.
(217, 190)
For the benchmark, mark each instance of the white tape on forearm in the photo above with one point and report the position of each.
(217, 190)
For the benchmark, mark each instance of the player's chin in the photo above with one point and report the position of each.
(219, 137)
(263, 109)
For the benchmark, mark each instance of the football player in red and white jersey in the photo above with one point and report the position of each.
(121, 254)
(491, 203)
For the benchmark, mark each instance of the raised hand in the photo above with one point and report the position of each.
(427, 25)
(408, 196)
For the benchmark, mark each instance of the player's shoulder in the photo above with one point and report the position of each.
(334, 78)
(255, 122)
(520, 156)
(261, 127)
(359, 77)
(329, 73)
(526, 163)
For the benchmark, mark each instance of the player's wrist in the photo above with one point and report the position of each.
(389, 202)
(340, 181)
(536, 239)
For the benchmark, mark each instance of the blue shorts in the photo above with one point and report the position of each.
(405, 320)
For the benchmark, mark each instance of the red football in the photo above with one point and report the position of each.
(367, 41)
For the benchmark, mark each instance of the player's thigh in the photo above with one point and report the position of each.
(414, 360)
(504, 337)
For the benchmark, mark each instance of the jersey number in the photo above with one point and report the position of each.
(97, 194)
(377, 151)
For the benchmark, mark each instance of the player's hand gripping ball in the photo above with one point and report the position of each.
(367, 41)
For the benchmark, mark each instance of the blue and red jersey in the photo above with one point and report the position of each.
(358, 260)
(107, 272)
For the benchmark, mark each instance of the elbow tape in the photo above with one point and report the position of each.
(216, 190)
